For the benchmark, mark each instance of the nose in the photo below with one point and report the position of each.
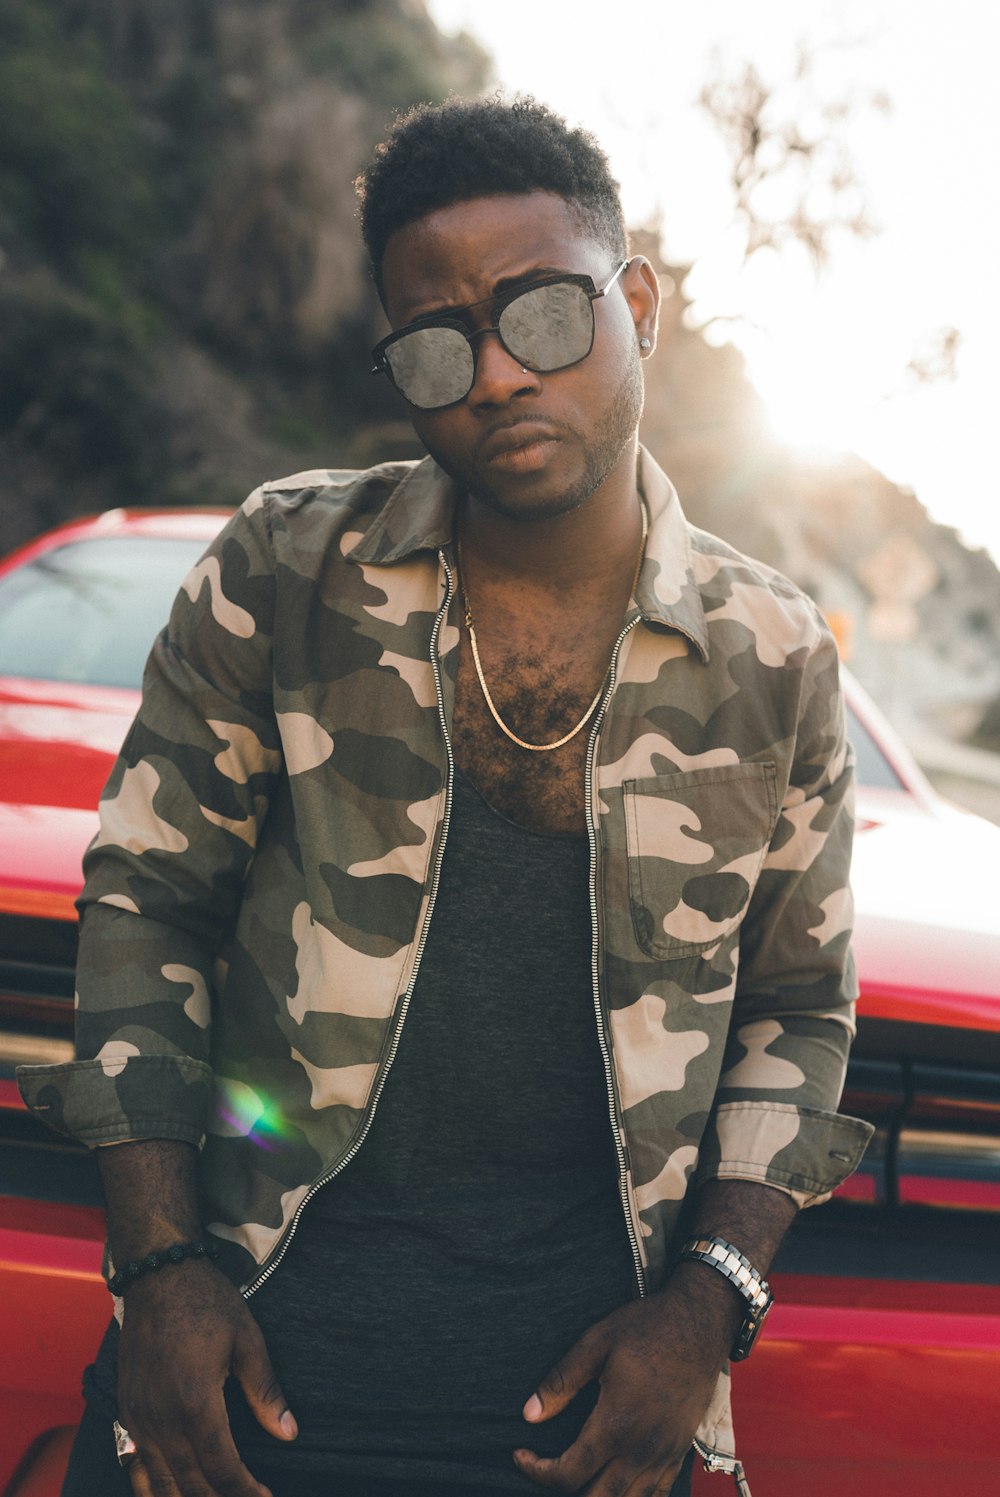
(499, 376)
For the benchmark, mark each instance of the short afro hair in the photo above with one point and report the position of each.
(439, 154)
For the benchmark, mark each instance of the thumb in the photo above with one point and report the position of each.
(255, 1375)
(574, 1371)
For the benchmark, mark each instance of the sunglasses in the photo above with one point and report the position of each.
(546, 326)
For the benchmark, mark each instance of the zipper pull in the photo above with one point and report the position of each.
(740, 1480)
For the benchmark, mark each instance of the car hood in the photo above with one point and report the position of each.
(927, 932)
(57, 745)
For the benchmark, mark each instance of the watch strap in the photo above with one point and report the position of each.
(745, 1279)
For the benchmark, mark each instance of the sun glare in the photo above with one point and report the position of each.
(822, 358)
(808, 405)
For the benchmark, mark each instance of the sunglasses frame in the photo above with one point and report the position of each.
(500, 303)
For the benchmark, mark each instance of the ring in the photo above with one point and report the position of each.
(125, 1446)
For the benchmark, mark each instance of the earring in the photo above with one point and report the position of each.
(644, 344)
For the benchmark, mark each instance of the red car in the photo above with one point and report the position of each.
(878, 1372)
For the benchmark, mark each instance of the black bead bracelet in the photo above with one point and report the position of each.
(153, 1261)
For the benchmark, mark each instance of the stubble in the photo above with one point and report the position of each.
(602, 451)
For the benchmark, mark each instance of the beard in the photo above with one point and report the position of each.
(602, 451)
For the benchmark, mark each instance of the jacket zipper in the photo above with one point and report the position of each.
(595, 969)
(715, 1461)
(268, 1269)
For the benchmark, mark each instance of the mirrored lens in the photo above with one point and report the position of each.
(545, 328)
(548, 327)
(432, 366)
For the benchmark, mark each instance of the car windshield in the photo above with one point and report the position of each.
(88, 611)
(874, 769)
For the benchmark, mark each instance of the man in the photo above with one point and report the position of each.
(471, 893)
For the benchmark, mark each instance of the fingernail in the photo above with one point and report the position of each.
(288, 1425)
(533, 1408)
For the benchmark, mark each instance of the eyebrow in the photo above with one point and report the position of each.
(505, 284)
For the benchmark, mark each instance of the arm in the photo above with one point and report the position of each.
(775, 1116)
(164, 878)
(185, 1330)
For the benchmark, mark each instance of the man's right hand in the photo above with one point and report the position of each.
(186, 1329)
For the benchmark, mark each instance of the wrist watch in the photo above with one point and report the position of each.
(730, 1262)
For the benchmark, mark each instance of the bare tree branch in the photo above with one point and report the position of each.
(794, 177)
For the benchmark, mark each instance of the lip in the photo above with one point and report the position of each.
(521, 447)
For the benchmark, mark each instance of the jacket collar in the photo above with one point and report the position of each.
(667, 592)
(419, 516)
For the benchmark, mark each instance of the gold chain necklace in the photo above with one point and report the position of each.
(536, 748)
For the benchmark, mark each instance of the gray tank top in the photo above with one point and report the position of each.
(479, 1231)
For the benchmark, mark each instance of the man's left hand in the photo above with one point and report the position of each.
(657, 1361)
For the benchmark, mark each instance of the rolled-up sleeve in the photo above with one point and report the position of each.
(179, 821)
(774, 1118)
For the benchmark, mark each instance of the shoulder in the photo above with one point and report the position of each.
(337, 493)
(312, 518)
(740, 593)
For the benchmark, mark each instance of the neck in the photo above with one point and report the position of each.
(596, 540)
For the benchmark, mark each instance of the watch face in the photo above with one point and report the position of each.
(748, 1331)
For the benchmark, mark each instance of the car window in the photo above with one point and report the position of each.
(89, 611)
(874, 768)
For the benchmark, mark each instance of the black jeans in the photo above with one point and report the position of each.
(94, 1472)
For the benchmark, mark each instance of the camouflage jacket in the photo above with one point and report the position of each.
(257, 898)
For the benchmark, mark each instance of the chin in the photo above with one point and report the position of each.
(542, 495)
(527, 506)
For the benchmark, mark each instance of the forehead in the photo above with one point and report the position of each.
(459, 255)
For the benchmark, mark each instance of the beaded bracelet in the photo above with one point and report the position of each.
(152, 1261)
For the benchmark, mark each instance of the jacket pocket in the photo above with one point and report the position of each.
(695, 845)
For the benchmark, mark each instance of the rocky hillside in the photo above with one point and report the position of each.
(182, 289)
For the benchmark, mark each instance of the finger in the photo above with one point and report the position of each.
(628, 1478)
(252, 1368)
(184, 1477)
(577, 1465)
(190, 1451)
(153, 1475)
(139, 1477)
(557, 1474)
(578, 1367)
(610, 1451)
(195, 1458)
(212, 1458)
(656, 1480)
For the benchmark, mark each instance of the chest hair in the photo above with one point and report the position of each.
(540, 696)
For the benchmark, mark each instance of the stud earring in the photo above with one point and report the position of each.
(644, 344)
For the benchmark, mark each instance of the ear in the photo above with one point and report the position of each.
(642, 292)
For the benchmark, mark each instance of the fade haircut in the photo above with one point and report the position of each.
(439, 154)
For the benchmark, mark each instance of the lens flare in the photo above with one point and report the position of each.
(250, 1114)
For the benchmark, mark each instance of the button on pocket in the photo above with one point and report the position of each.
(695, 843)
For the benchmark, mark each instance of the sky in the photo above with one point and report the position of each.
(828, 352)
